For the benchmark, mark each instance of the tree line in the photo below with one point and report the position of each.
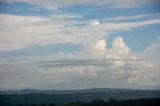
(110, 102)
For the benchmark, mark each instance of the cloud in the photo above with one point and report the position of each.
(153, 51)
(26, 31)
(55, 4)
(122, 18)
(121, 47)
(131, 3)
(99, 46)
(95, 65)
(22, 31)
(131, 18)
(128, 25)
(79, 71)
(95, 22)
(146, 71)
(88, 71)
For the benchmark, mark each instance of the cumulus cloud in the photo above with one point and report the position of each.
(99, 46)
(120, 46)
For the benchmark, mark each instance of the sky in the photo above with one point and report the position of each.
(79, 44)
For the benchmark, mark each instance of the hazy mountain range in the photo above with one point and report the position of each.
(28, 91)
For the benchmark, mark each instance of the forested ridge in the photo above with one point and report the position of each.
(85, 97)
(110, 102)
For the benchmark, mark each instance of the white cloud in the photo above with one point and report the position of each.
(109, 67)
(25, 31)
(128, 25)
(131, 18)
(121, 18)
(88, 71)
(120, 46)
(95, 22)
(142, 71)
(145, 71)
(55, 4)
(131, 3)
(99, 46)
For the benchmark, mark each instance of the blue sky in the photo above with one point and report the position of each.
(103, 42)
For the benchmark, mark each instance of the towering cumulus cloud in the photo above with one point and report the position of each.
(119, 45)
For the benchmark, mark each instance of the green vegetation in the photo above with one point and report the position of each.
(90, 97)
(111, 102)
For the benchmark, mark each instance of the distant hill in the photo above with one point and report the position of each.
(31, 96)
(28, 91)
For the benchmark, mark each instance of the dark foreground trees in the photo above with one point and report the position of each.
(111, 102)
(42, 104)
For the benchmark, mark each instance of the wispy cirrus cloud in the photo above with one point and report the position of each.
(55, 4)
(25, 31)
